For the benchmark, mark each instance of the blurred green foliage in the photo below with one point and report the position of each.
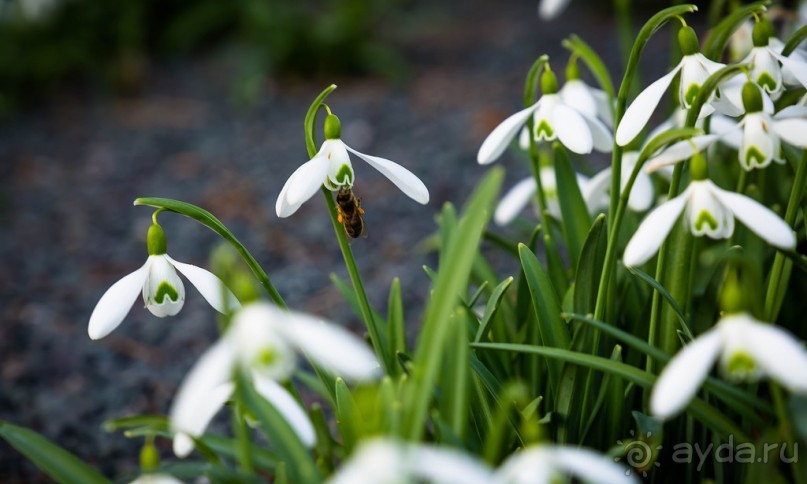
(47, 43)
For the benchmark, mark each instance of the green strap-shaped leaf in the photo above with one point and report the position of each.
(699, 409)
(348, 417)
(396, 330)
(452, 279)
(208, 220)
(289, 448)
(51, 459)
(589, 267)
(491, 307)
(573, 209)
(454, 378)
(673, 303)
(546, 306)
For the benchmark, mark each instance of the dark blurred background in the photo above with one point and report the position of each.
(102, 102)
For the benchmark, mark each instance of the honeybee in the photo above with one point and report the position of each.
(350, 212)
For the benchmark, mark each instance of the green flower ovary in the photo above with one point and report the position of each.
(705, 218)
(166, 289)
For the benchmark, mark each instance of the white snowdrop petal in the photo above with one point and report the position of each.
(402, 178)
(211, 373)
(602, 138)
(761, 220)
(680, 151)
(792, 130)
(446, 465)
(642, 194)
(287, 406)
(578, 95)
(209, 286)
(642, 108)
(515, 201)
(116, 302)
(199, 416)
(498, 140)
(302, 185)
(792, 112)
(572, 129)
(794, 67)
(728, 130)
(653, 230)
(679, 381)
(183, 445)
(156, 479)
(605, 109)
(778, 353)
(549, 9)
(529, 465)
(595, 190)
(331, 346)
(588, 465)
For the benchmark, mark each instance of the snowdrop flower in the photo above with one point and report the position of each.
(757, 137)
(162, 289)
(595, 191)
(387, 461)
(590, 101)
(708, 210)
(765, 58)
(748, 350)
(540, 464)
(264, 341)
(524, 191)
(549, 9)
(695, 68)
(331, 167)
(553, 119)
(156, 479)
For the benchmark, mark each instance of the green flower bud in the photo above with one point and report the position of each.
(688, 41)
(549, 82)
(763, 30)
(149, 457)
(156, 240)
(697, 167)
(572, 71)
(333, 128)
(752, 98)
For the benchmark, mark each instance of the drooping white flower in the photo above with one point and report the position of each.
(747, 350)
(595, 191)
(708, 210)
(549, 9)
(388, 461)
(592, 102)
(523, 192)
(544, 464)
(695, 68)
(162, 289)
(553, 119)
(769, 68)
(331, 167)
(156, 478)
(757, 137)
(265, 341)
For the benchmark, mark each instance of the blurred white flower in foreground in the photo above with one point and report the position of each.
(695, 69)
(388, 461)
(265, 340)
(162, 289)
(553, 118)
(331, 167)
(709, 210)
(539, 464)
(156, 479)
(748, 350)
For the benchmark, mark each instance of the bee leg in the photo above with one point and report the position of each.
(339, 218)
(361, 211)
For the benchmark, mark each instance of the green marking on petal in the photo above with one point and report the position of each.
(740, 366)
(767, 82)
(344, 176)
(691, 94)
(705, 218)
(544, 131)
(166, 289)
(755, 158)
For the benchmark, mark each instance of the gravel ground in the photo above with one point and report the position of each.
(71, 168)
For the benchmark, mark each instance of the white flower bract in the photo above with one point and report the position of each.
(332, 167)
(162, 290)
(747, 350)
